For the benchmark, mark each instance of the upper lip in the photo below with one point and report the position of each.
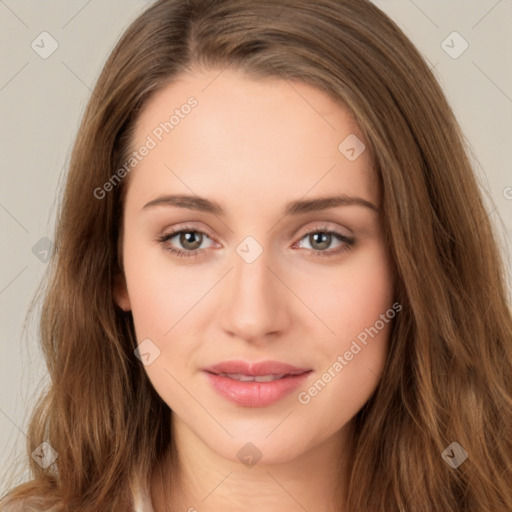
(256, 369)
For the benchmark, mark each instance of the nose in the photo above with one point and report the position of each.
(254, 303)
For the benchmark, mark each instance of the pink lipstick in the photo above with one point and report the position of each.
(255, 384)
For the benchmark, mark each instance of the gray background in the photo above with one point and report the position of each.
(43, 99)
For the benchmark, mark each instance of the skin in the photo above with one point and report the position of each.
(252, 146)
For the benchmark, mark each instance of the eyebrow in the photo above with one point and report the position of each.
(298, 207)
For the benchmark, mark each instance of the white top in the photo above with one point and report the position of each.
(141, 498)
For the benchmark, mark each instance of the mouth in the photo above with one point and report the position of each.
(255, 385)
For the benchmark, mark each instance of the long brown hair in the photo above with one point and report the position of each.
(448, 376)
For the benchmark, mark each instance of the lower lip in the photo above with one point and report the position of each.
(255, 394)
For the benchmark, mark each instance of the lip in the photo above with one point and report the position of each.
(255, 394)
(256, 369)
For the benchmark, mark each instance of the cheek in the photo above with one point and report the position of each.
(162, 302)
(351, 371)
(351, 299)
(360, 312)
(160, 292)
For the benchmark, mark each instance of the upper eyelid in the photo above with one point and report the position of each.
(322, 227)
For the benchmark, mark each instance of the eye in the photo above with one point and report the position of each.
(192, 239)
(321, 239)
(189, 238)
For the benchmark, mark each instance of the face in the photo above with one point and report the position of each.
(237, 272)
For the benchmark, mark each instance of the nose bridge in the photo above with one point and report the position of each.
(253, 303)
(251, 271)
(251, 261)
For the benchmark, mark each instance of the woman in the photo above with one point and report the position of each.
(205, 352)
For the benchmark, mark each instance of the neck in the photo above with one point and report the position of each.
(196, 479)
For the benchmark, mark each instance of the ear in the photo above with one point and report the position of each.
(121, 292)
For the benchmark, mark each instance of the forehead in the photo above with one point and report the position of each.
(238, 97)
(246, 136)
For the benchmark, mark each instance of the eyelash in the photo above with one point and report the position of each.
(349, 242)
